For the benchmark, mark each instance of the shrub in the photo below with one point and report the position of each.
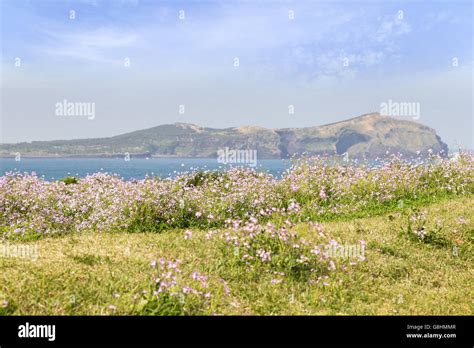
(68, 180)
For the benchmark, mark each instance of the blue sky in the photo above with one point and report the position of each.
(333, 60)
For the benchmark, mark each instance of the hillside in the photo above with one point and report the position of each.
(369, 136)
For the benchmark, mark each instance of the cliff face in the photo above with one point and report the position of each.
(369, 136)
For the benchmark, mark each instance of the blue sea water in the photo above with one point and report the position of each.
(136, 168)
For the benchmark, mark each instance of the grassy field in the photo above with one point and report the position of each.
(417, 260)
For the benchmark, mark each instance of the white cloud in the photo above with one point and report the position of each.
(99, 45)
(434, 19)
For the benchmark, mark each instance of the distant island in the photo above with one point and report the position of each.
(367, 136)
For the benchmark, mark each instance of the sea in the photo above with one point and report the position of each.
(136, 168)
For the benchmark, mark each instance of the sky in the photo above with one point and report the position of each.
(232, 63)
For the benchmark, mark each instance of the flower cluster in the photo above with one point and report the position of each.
(174, 293)
(282, 250)
(311, 189)
(420, 230)
(321, 189)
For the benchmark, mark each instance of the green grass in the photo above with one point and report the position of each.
(85, 274)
